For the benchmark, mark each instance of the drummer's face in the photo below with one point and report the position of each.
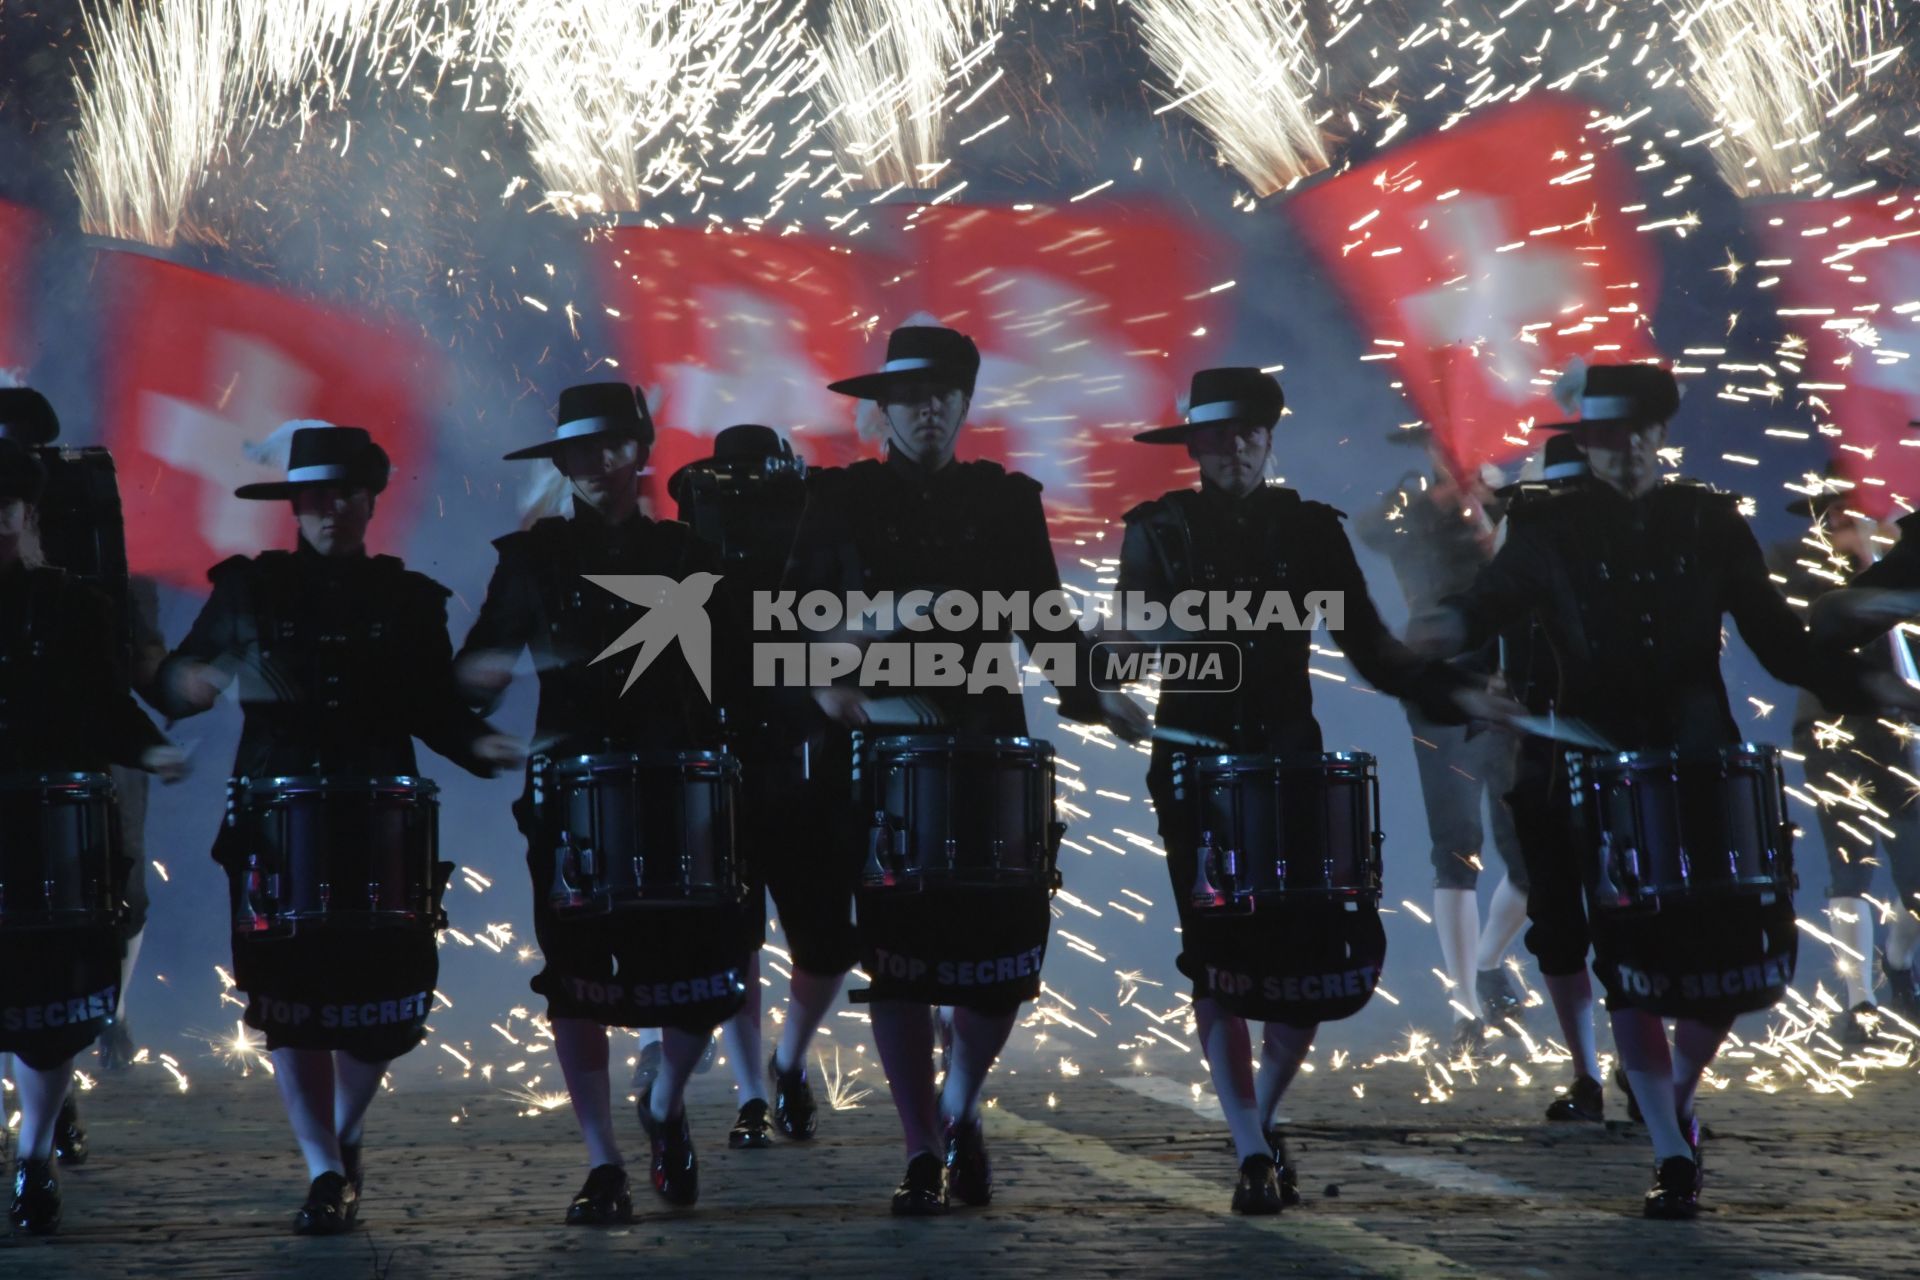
(1628, 458)
(604, 470)
(923, 419)
(1233, 458)
(333, 520)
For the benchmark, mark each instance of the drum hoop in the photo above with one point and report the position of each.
(50, 781)
(1267, 762)
(618, 761)
(951, 742)
(1760, 754)
(426, 788)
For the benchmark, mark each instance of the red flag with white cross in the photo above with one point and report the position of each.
(1090, 320)
(199, 367)
(1849, 280)
(723, 329)
(1483, 259)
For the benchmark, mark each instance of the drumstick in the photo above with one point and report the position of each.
(909, 710)
(1187, 738)
(1577, 733)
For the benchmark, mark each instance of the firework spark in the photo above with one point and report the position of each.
(622, 99)
(1769, 75)
(1245, 71)
(889, 70)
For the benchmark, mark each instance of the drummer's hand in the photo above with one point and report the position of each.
(1889, 692)
(1124, 716)
(1438, 633)
(168, 763)
(199, 684)
(842, 705)
(484, 671)
(501, 750)
(1483, 704)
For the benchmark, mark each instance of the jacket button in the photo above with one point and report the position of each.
(333, 704)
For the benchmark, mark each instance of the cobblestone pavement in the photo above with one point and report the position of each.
(1100, 1175)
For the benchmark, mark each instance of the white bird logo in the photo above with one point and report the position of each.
(676, 610)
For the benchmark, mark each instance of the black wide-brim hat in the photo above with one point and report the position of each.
(918, 353)
(1230, 397)
(335, 457)
(742, 443)
(22, 475)
(1834, 489)
(591, 411)
(1623, 395)
(27, 416)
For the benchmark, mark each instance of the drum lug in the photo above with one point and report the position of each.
(880, 851)
(1205, 893)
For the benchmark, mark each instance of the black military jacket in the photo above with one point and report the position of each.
(64, 706)
(1630, 594)
(538, 600)
(971, 527)
(1270, 540)
(341, 662)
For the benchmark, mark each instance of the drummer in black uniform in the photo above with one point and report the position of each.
(1876, 599)
(1437, 532)
(1237, 533)
(1630, 578)
(79, 529)
(63, 709)
(745, 502)
(693, 958)
(921, 520)
(342, 659)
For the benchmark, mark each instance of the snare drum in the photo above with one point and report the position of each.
(1274, 828)
(952, 811)
(335, 853)
(636, 831)
(58, 846)
(1659, 825)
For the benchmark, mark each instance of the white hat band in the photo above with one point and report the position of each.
(1217, 410)
(582, 427)
(910, 362)
(1563, 471)
(1596, 407)
(324, 471)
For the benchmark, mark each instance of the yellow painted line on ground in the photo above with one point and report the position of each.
(1331, 1234)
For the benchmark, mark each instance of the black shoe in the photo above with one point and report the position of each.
(1696, 1139)
(1903, 989)
(69, 1135)
(331, 1206)
(793, 1107)
(1258, 1191)
(350, 1161)
(1854, 1026)
(676, 1171)
(36, 1198)
(1585, 1101)
(969, 1172)
(1633, 1103)
(1469, 1036)
(1676, 1189)
(1289, 1172)
(1499, 1000)
(603, 1201)
(752, 1130)
(116, 1046)
(923, 1192)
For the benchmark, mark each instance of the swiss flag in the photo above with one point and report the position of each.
(200, 366)
(19, 229)
(1484, 259)
(1850, 274)
(722, 329)
(1090, 319)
